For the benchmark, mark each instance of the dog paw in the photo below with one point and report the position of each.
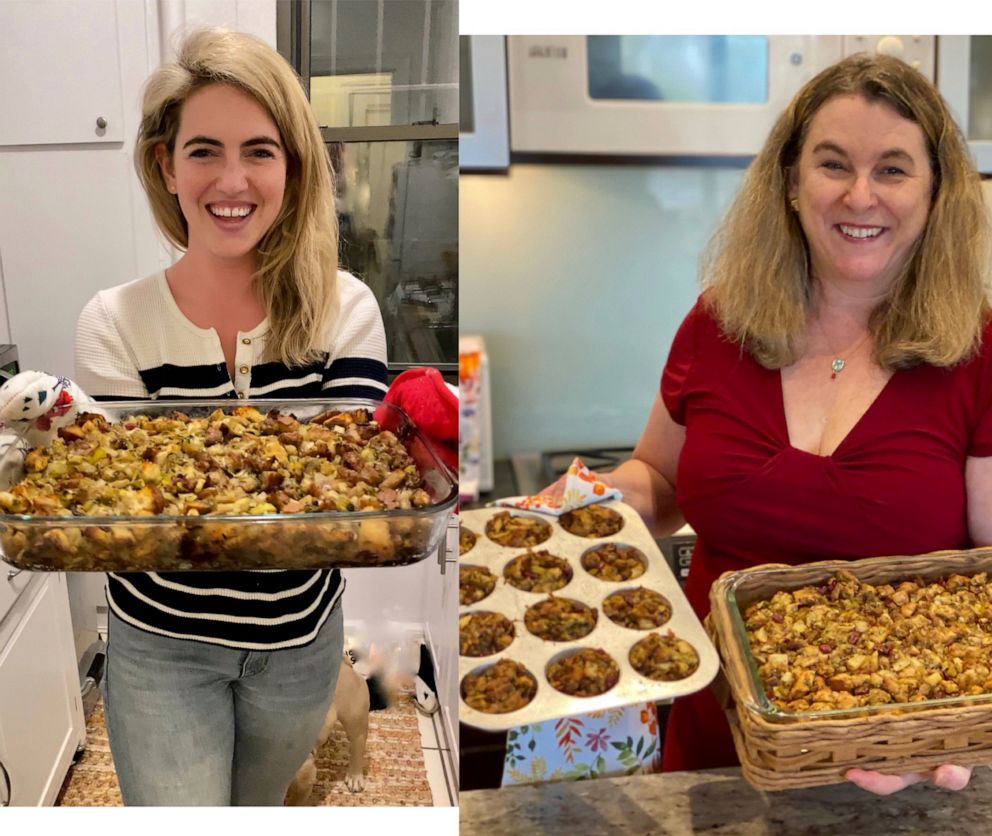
(355, 783)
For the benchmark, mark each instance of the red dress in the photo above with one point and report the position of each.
(895, 485)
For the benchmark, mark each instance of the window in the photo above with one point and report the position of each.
(382, 76)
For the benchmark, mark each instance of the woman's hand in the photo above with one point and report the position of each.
(946, 776)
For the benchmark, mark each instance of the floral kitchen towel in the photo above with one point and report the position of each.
(581, 488)
(602, 744)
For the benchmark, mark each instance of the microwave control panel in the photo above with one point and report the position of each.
(919, 51)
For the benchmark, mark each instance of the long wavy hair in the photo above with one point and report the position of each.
(296, 278)
(756, 268)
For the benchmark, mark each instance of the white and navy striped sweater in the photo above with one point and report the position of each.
(132, 341)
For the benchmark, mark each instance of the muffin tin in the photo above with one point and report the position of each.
(536, 654)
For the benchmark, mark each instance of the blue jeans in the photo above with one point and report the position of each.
(194, 724)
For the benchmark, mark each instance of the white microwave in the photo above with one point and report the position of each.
(670, 95)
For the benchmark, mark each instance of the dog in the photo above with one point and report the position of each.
(350, 707)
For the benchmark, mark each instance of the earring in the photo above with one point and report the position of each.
(794, 204)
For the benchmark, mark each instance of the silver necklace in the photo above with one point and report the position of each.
(838, 363)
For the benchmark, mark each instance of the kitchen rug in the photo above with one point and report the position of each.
(395, 774)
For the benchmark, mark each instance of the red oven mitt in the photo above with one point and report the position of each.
(423, 395)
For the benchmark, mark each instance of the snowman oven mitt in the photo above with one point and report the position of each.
(34, 405)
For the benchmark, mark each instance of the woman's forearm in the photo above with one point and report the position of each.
(649, 493)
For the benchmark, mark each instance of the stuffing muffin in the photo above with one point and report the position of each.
(517, 531)
(560, 619)
(664, 658)
(614, 562)
(592, 521)
(466, 540)
(587, 673)
(637, 609)
(474, 584)
(538, 572)
(484, 633)
(503, 687)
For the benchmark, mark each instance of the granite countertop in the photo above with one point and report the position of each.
(721, 801)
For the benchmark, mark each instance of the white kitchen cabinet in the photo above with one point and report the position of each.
(73, 218)
(71, 92)
(12, 584)
(41, 716)
(60, 246)
(441, 603)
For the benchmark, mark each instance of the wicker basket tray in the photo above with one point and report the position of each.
(781, 750)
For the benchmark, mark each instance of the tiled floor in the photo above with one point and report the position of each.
(437, 756)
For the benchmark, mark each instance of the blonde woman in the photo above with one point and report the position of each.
(217, 683)
(830, 394)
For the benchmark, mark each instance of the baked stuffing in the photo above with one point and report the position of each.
(560, 619)
(484, 633)
(516, 531)
(586, 673)
(538, 572)
(847, 643)
(637, 609)
(474, 584)
(665, 658)
(237, 462)
(466, 540)
(502, 687)
(592, 521)
(614, 562)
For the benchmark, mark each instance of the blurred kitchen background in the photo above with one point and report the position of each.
(383, 78)
(593, 172)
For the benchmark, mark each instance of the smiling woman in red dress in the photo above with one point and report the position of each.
(830, 394)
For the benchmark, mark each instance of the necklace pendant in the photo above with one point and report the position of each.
(837, 365)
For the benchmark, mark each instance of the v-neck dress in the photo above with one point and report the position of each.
(894, 485)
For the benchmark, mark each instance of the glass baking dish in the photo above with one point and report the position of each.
(315, 540)
(737, 590)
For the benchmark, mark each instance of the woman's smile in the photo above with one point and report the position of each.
(860, 234)
(231, 217)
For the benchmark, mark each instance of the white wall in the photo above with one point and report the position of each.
(577, 277)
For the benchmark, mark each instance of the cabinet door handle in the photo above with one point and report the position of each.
(442, 551)
(6, 780)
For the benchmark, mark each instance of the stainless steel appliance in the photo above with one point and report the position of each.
(700, 95)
